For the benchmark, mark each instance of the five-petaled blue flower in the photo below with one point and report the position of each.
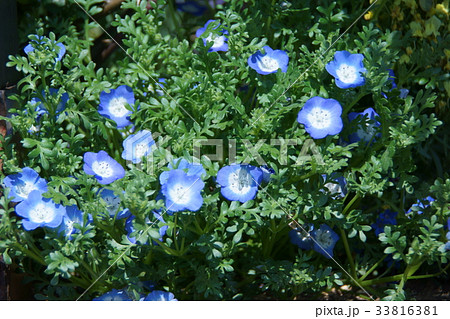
(73, 217)
(347, 69)
(113, 105)
(321, 117)
(29, 48)
(368, 130)
(104, 168)
(41, 109)
(112, 202)
(387, 217)
(137, 146)
(192, 169)
(114, 295)
(40, 212)
(269, 62)
(239, 182)
(158, 295)
(421, 204)
(219, 41)
(182, 192)
(324, 240)
(23, 183)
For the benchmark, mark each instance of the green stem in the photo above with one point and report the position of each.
(349, 107)
(31, 254)
(350, 204)
(349, 254)
(372, 268)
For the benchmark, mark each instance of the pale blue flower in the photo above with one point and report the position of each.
(347, 69)
(104, 168)
(112, 202)
(30, 47)
(324, 240)
(114, 295)
(239, 182)
(269, 62)
(23, 183)
(192, 169)
(369, 129)
(219, 41)
(113, 105)
(158, 295)
(73, 217)
(137, 146)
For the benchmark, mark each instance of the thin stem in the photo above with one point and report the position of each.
(373, 268)
(350, 204)
(348, 253)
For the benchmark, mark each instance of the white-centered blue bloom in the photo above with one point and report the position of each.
(41, 109)
(368, 130)
(30, 48)
(324, 240)
(138, 145)
(182, 192)
(192, 169)
(321, 117)
(104, 168)
(336, 186)
(158, 295)
(114, 295)
(239, 182)
(112, 202)
(421, 205)
(113, 105)
(73, 217)
(40, 212)
(269, 62)
(23, 183)
(219, 41)
(347, 69)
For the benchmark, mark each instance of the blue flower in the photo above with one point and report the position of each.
(137, 146)
(41, 109)
(191, 7)
(192, 169)
(158, 295)
(239, 182)
(368, 130)
(269, 62)
(114, 295)
(385, 218)
(112, 105)
(324, 240)
(112, 202)
(182, 192)
(22, 184)
(129, 227)
(104, 168)
(40, 212)
(267, 173)
(346, 69)
(72, 217)
(337, 186)
(321, 117)
(447, 245)
(29, 48)
(421, 204)
(219, 41)
(302, 237)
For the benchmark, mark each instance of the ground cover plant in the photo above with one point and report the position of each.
(228, 150)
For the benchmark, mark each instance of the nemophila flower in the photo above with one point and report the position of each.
(104, 168)
(239, 182)
(114, 295)
(219, 41)
(182, 192)
(138, 145)
(112, 202)
(447, 245)
(29, 48)
(368, 130)
(129, 227)
(269, 62)
(347, 69)
(40, 212)
(302, 237)
(113, 105)
(192, 169)
(321, 117)
(72, 217)
(158, 295)
(23, 183)
(387, 217)
(337, 186)
(421, 204)
(267, 173)
(324, 240)
(41, 109)
(191, 7)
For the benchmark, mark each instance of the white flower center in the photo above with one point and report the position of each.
(180, 194)
(324, 238)
(218, 40)
(140, 150)
(319, 118)
(102, 169)
(268, 64)
(41, 214)
(69, 227)
(112, 204)
(347, 73)
(333, 188)
(117, 107)
(25, 189)
(240, 181)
